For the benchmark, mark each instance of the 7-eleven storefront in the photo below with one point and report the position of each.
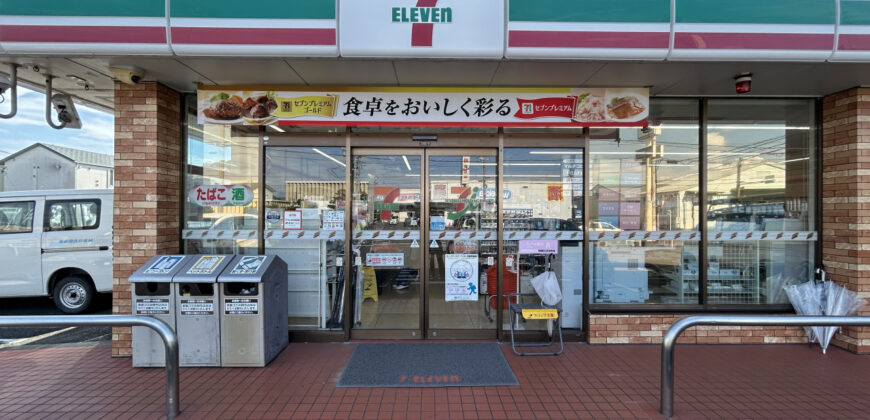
(409, 212)
(377, 144)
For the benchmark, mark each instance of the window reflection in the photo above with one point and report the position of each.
(543, 203)
(643, 210)
(220, 156)
(305, 202)
(761, 201)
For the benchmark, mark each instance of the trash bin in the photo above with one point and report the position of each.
(253, 296)
(197, 320)
(153, 296)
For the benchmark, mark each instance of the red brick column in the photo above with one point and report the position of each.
(846, 200)
(147, 185)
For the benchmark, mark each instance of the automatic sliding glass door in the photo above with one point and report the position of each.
(462, 245)
(387, 243)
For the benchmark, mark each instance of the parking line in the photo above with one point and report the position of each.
(29, 340)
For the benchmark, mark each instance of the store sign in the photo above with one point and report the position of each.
(422, 28)
(220, 195)
(480, 107)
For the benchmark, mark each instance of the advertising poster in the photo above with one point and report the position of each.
(460, 275)
(436, 223)
(439, 193)
(385, 259)
(629, 209)
(631, 180)
(630, 194)
(609, 179)
(608, 208)
(629, 223)
(555, 192)
(543, 246)
(292, 219)
(333, 219)
(608, 194)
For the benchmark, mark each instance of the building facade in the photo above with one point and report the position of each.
(43, 166)
(416, 161)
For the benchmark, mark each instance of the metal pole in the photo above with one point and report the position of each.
(170, 340)
(670, 339)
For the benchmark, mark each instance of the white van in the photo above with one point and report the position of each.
(57, 244)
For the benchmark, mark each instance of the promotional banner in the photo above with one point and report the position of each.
(460, 274)
(388, 106)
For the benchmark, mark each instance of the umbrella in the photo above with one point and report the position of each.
(804, 298)
(836, 301)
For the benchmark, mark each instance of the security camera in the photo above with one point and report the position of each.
(128, 75)
(66, 110)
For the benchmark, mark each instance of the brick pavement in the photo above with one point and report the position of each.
(613, 381)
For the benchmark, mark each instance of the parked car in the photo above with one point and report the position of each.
(228, 243)
(56, 244)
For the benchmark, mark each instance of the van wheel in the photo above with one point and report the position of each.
(73, 295)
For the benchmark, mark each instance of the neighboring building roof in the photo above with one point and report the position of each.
(79, 156)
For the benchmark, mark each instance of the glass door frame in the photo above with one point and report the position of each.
(412, 333)
(423, 331)
(455, 333)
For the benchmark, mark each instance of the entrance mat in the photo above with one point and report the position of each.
(376, 365)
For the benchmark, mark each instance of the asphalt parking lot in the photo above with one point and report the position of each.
(45, 337)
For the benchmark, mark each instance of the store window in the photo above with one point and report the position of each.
(761, 198)
(221, 187)
(543, 226)
(643, 209)
(305, 212)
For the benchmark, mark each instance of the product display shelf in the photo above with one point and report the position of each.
(732, 274)
(308, 304)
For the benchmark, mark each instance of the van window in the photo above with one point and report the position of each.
(72, 214)
(16, 216)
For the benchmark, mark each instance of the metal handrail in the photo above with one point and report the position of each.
(670, 338)
(170, 340)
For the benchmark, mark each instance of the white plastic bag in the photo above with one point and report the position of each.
(547, 287)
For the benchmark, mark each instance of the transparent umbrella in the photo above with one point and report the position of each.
(836, 301)
(805, 298)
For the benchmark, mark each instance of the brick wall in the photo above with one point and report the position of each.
(650, 328)
(147, 185)
(846, 200)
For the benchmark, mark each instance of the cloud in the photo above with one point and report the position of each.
(715, 140)
(29, 126)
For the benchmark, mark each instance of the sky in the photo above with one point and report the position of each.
(28, 126)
